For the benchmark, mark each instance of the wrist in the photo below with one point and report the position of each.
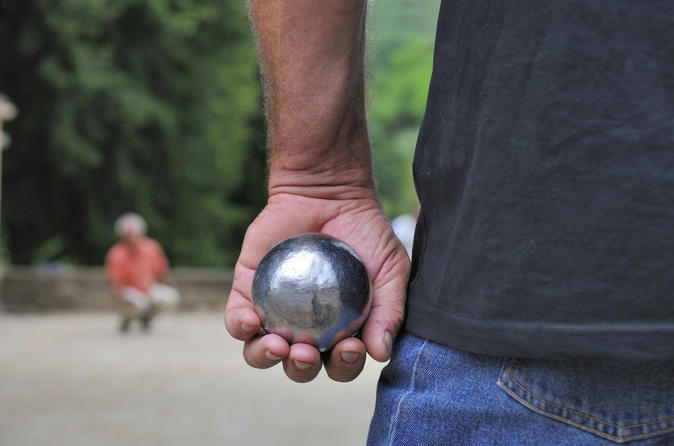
(334, 183)
(318, 139)
(338, 168)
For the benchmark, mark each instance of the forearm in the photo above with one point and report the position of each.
(311, 55)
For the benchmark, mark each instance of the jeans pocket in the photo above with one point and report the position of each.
(616, 400)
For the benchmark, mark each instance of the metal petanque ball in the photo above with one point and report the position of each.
(312, 289)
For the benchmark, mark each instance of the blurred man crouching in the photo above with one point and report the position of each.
(138, 271)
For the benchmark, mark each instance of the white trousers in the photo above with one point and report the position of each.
(159, 297)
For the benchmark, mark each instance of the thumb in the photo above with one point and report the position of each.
(241, 320)
(388, 309)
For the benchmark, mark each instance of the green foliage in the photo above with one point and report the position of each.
(144, 105)
(401, 59)
(154, 106)
(392, 23)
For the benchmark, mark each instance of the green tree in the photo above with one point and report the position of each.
(400, 60)
(155, 106)
(144, 105)
(398, 100)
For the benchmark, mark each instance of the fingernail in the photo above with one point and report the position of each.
(245, 327)
(350, 356)
(301, 365)
(272, 357)
(388, 339)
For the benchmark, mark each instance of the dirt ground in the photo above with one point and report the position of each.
(71, 379)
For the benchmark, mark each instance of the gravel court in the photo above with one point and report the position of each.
(71, 379)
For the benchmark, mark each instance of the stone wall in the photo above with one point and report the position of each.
(26, 289)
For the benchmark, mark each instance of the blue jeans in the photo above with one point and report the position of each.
(432, 395)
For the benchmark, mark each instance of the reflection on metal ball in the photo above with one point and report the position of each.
(312, 289)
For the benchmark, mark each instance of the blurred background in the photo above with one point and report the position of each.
(155, 106)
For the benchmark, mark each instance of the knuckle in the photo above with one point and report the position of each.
(230, 328)
(397, 313)
(342, 376)
(256, 362)
(249, 361)
(301, 378)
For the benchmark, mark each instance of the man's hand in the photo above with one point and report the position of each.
(357, 220)
(320, 178)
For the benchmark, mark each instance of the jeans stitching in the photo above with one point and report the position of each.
(563, 419)
(394, 419)
(502, 370)
(542, 400)
(583, 414)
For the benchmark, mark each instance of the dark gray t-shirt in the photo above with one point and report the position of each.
(545, 171)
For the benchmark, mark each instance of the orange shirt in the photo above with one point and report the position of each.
(139, 268)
